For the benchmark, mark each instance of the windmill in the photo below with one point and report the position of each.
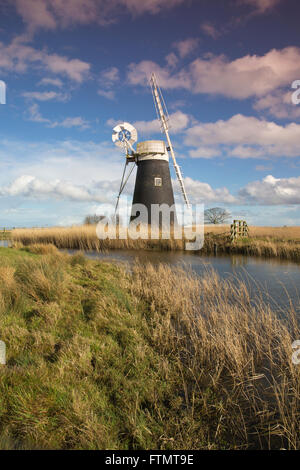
(153, 180)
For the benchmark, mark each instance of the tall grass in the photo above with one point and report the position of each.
(238, 385)
(263, 241)
(154, 358)
(85, 238)
(279, 233)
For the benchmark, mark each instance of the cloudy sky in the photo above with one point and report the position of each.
(73, 68)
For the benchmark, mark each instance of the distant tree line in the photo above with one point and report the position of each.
(215, 215)
(95, 219)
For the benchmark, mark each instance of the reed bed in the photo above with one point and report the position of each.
(85, 238)
(239, 387)
(155, 358)
(280, 233)
(278, 242)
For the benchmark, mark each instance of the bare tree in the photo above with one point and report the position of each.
(216, 215)
(93, 219)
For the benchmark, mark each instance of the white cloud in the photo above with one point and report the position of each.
(261, 6)
(186, 46)
(18, 57)
(139, 74)
(67, 170)
(35, 13)
(72, 122)
(84, 162)
(245, 77)
(30, 186)
(103, 192)
(110, 76)
(269, 191)
(51, 14)
(205, 152)
(240, 136)
(113, 122)
(171, 60)
(146, 127)
(263, 167)
(200, 192)
(108, 79)
(44, 96)
(177, 104)
(51, 81)
(109, 94)
(178, 122)
(41, 175)
(245, 137)
(147, 6)
(74, 69)
(210, 30)
(35, 116)
(278, 104)
(272, 191)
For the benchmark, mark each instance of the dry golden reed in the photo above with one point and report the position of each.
(282, 242)
(234, 356)
(85, 238)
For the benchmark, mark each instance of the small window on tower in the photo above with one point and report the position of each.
(157, 182)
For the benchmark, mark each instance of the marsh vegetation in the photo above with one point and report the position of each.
(103, 358)
(281, 242)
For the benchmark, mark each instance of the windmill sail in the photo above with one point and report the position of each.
(163, 116)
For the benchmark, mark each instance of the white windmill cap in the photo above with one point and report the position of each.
(151, 146)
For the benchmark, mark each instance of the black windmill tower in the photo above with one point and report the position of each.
(153, 180)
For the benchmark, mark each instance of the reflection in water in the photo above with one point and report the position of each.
(237, 260)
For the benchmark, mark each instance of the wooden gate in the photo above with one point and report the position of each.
(239, 229)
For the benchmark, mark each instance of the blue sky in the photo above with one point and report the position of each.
(74, 68)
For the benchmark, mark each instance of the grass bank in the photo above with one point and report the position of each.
(282, 242)
(98, 358)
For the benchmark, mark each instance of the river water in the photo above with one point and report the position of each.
(277, 280)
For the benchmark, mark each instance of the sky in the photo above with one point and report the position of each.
(75, 68)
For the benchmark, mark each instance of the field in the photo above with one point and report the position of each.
(283, 242)
(155, 358)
